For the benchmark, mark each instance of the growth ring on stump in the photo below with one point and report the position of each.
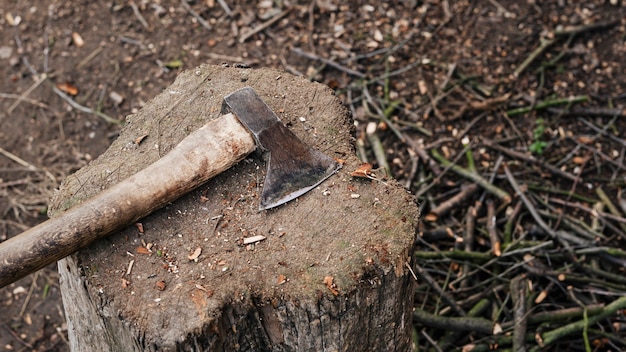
(330, 272)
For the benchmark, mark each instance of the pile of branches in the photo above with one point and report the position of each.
(523, 225)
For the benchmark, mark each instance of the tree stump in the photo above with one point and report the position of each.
(330, 275)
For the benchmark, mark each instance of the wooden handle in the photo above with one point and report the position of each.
(203, 154)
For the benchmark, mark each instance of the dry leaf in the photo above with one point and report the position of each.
(365, 171)
(68, 88)
(125, 283)
(194, 256)
(143, 250)
(281, 279)
(139, 139)
(160, 285)
(329, 282)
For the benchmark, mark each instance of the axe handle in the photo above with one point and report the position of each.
(215, 147)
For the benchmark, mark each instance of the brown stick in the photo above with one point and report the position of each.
(530, 159)
(473, 176)
(468, 240)
(496, 244)
(445, 207)
(203, 154)
(518, 293)
(424, 275)
(481, 325)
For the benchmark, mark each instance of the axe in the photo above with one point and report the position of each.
(293, 168)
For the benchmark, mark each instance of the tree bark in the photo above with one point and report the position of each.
(330, 274)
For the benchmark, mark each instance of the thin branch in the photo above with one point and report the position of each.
(474, 176)
(328, 62)
(263, 26)
(30, 89)
(424, 275)
(481, 325)
(529, 159)
(137, 13)
(560, 235)
(199, 18)
(85, 109)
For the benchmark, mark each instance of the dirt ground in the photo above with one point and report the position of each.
(538, 87)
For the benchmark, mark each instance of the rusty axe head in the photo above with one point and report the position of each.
(293, 167)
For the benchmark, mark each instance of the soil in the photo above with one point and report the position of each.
(418, 75)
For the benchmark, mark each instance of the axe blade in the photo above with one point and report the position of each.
(293, 167)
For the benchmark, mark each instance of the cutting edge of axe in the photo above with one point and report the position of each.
(293, 169)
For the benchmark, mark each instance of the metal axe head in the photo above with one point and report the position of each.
(293, 167)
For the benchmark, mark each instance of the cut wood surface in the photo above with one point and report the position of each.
(329, 271)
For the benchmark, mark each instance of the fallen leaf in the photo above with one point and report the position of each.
(125, 283)
(365, 171)
(281, 279)
(143, 250)
(174, 64)
(139, 139)
(160, 285)
(329, 282)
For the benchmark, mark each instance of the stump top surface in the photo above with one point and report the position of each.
(340, 230)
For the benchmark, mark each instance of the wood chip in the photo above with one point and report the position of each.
(253, 239)
(78, 40)
(68, 88)
(116, 98)
(194, 256)
(130, 267)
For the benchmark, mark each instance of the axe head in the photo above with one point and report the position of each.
(293, 167)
